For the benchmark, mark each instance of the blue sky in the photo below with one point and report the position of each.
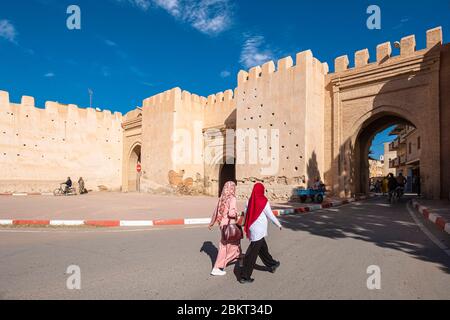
(128, 50)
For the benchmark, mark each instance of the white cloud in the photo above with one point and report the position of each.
(49, 75)
(148, 84)
(141, 4)
(137, 71)
(8, 31)
(106, 72)
(225, 74)
(110, 43)
(207, 16)
(255, 52)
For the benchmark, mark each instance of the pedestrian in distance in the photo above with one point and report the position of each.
(392, 185)
(81, 187)
(258, 212)
(226, 214)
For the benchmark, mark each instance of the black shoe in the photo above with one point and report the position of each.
(243, 280)
(275, 267)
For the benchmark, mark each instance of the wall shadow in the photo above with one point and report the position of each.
(312, 170)
(374, 221)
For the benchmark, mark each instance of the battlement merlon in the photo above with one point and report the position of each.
(211, 100)
(27, 101)
(285, 63)
(434, 37)
(362, 58)
(268, 68)
(4, 98)
(384, 50)
(407, 46)
(254, 73)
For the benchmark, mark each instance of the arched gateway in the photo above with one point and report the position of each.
(371, 97)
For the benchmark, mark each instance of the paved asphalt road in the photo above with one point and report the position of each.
(324, 255)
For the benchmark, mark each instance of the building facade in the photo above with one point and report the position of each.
(408, 147)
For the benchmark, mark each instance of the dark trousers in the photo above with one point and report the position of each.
(255, 249)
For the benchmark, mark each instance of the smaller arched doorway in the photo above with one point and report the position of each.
(133, 175)
(227, 173)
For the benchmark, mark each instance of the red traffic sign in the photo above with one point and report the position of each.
(138, 167)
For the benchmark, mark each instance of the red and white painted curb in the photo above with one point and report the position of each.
(315, 207)
(106, 223)
(22, 194)
(439, 221)
(161, 222)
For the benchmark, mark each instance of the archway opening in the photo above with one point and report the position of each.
(227, 173)
(386, 143)
(133, 175)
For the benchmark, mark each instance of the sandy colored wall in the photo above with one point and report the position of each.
(41, 147)
(188, 138)
(220, 110)
(315, 119)
(158, 123)
(445, 120)
(289, 99)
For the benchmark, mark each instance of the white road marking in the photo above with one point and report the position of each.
(197, 221)
(66, 222)
(124, 223)
(424, 229)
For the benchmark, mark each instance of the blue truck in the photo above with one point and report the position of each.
(316, 195)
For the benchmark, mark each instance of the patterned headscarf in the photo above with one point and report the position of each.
(228, 192)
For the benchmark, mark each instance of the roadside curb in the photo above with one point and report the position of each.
(315, 207)
(23, 194)
(427, 213)
(163, 222)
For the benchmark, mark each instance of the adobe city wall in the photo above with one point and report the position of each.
(40, 148)
(172, 136)
(288, 102)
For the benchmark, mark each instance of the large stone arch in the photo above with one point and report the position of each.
(361, 141)
(366, 99)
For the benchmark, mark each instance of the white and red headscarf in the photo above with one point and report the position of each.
(228, 193)
(256, 205)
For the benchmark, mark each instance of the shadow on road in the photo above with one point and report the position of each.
(375, 221)
(211, 250)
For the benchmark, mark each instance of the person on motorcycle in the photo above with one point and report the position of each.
(68, 184)
(392, 185)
